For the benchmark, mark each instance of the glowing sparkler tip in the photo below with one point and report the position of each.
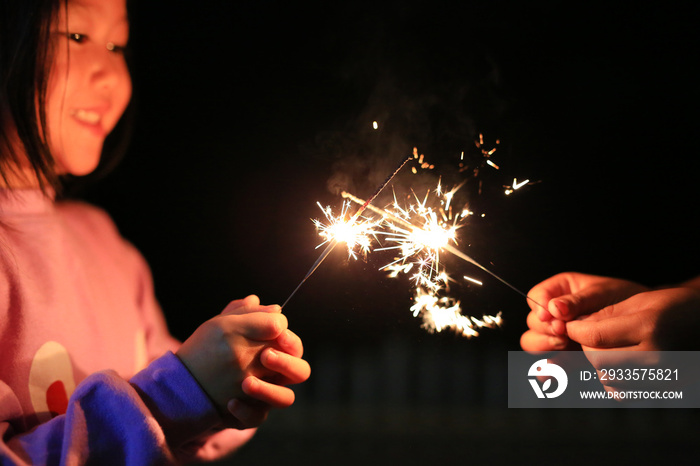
(355, 233)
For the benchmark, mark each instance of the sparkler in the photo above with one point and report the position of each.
(333, 239)
(436, 242)
(356, 235)
(426, 241)
(420, 232)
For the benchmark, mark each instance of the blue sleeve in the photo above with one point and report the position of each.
(113, 421)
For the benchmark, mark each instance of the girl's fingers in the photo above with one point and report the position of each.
(290, 343)
(293, 369)
(241, 306)
(249, 304)
(260, 326)
(247, 414)
(274, 395)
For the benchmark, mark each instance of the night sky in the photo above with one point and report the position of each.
(245, 111)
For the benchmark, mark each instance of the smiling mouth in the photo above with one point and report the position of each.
(87, 116)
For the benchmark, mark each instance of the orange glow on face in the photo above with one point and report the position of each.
(89, 86)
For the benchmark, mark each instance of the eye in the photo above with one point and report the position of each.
(112, 47)
(76, 37)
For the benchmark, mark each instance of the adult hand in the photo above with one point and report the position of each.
(565, 297)
(660, 320)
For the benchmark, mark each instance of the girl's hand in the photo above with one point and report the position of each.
(285, 361)
(227, 356)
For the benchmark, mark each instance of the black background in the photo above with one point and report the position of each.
(245, 109)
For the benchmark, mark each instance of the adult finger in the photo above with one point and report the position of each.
(613, 332)
(550, 326)
(554, 286)
(586, 301)
(592, 299)
(533, 341)
(557, 285)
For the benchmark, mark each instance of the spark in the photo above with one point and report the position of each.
(440, 313)
(356, 235)
(420, 234)
(515, 186)
(473, 280)
(484, 159)
(375, 125)
(333, 241)
(493, 164)
(423, 242)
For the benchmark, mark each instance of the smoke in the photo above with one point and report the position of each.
(427, 84)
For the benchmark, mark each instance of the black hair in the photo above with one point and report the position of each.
(26, 55)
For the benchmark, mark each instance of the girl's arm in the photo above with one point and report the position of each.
(149, 419)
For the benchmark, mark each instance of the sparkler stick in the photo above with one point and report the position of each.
(334, 242)
(313, 268)
(446, 247)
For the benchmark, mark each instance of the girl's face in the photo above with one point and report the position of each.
(89, 86)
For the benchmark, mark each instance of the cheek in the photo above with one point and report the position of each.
(123, 90)
(121, 96)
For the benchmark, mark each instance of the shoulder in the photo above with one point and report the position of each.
(94, 234)
(93, 227)
(91, 224)
(86, 215)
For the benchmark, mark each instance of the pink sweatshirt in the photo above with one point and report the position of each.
(86, 368)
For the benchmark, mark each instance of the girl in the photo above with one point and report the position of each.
(88, 371)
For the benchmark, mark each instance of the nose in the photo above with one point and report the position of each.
(109, 70)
